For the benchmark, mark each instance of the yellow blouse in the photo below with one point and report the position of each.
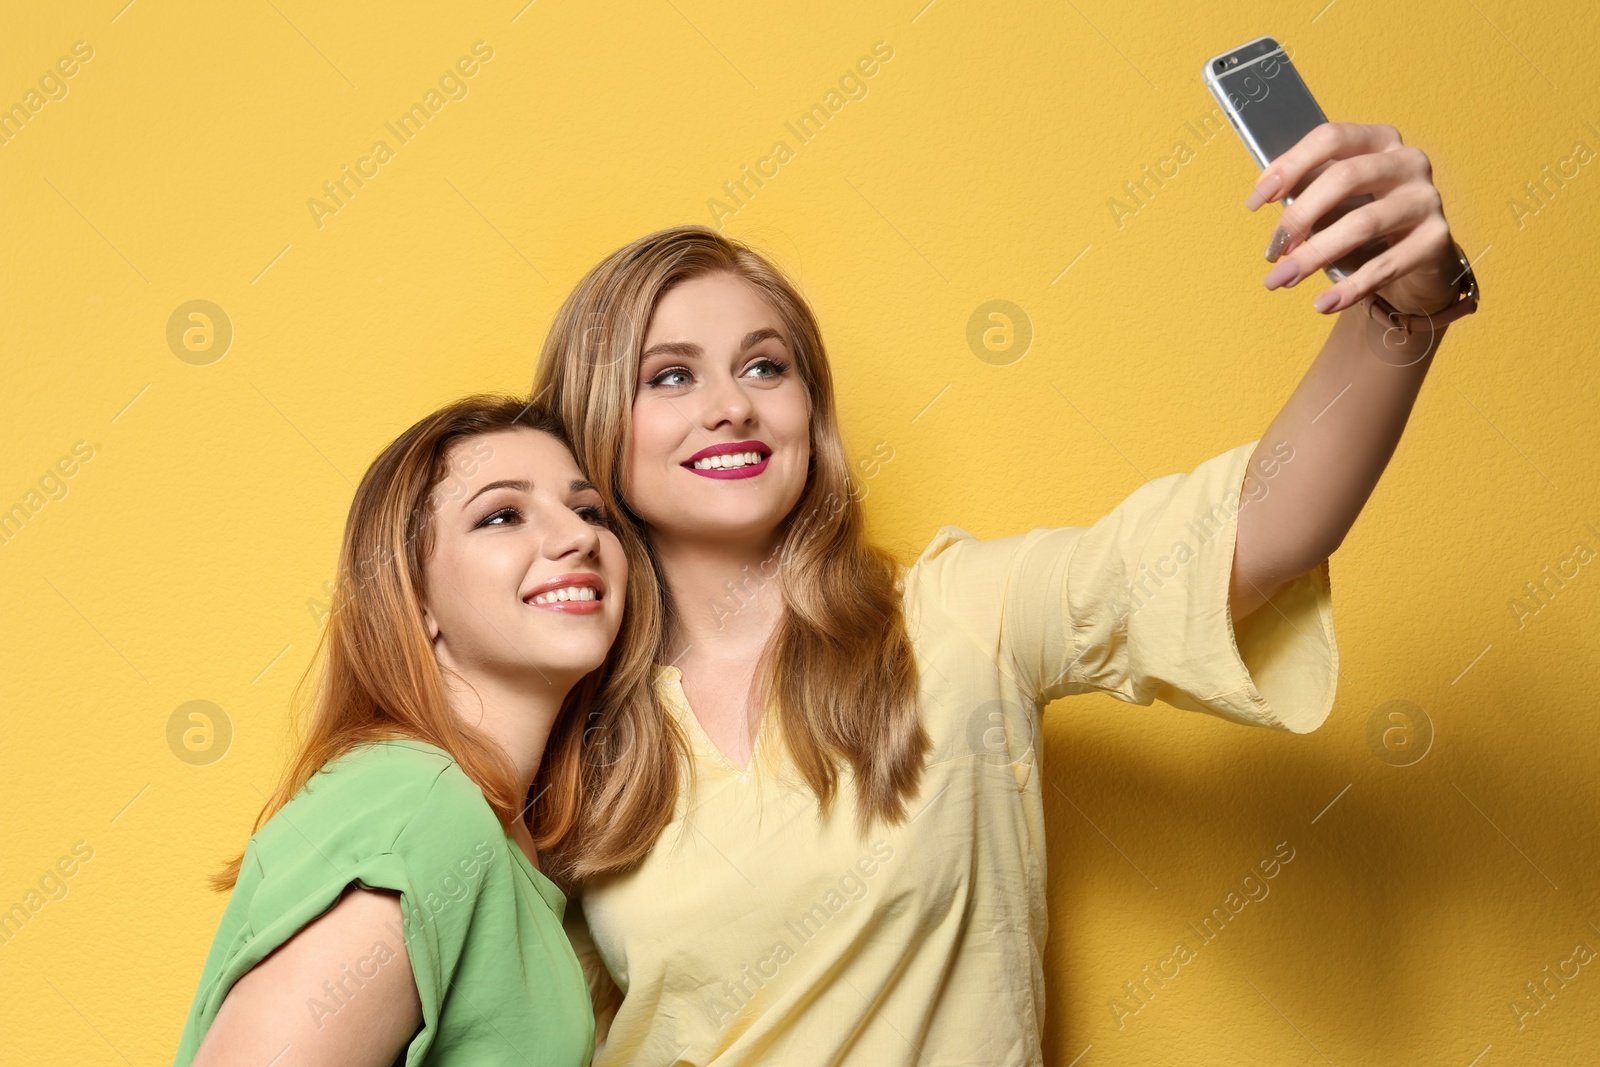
(756, 932)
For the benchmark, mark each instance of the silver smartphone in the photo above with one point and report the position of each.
(1271, 109)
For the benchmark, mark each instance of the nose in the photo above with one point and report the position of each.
(726, 402)
(572, 535)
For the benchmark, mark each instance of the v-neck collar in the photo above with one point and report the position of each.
(548, 890)
(668, 680)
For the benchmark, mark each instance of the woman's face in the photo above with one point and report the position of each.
(717, 387)
(525, 577)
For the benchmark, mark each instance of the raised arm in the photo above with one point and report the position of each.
(1345, 417)
(340, 992)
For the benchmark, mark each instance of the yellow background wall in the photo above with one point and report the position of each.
(187, 558)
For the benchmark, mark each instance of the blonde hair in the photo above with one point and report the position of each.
(379, 676)
(839, 670)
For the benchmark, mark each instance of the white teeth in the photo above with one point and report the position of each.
(736, 459)
(566, 592)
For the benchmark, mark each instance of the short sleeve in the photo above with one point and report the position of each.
(1136, 606)
(387, 818)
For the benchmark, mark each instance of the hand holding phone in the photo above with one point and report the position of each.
(1271, 109)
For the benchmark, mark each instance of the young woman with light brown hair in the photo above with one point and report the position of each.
(391, 906)
(810, 828)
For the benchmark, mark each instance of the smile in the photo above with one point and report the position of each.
(570, 594)
(736, 459)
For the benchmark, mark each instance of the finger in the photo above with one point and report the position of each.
(1386, 216)
(1393, 215)
(1329, 140)
(1420, 246)
(1378, 172)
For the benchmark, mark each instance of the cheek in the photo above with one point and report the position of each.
(652, 439)
(463, 582)
(443, 578)
(630, 475)
(793, 413)
(616, 558)
(616, 563)
(651, 448)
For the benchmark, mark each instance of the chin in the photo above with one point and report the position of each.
(724, 527)
(567, 671)
(572, 661)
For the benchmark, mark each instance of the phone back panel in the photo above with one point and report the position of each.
(1268, 103)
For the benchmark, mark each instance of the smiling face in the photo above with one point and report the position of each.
(524, 576)
(721, 438)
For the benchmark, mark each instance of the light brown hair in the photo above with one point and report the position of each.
(838, 670)
(380, 678)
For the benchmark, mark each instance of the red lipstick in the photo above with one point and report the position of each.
(727, 449)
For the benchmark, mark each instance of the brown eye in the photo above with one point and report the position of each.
(487, 520)
(596, 514)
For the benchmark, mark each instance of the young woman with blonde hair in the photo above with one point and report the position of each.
(810, 827)
(391, 906)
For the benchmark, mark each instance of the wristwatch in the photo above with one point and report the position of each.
(1466, 302)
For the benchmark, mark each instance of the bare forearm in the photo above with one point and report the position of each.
(1343, 422)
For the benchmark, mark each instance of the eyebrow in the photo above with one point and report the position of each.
(577, 485)
(690, 350)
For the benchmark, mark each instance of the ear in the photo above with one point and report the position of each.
(429, 625)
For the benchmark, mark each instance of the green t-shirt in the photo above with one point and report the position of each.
(497, 977)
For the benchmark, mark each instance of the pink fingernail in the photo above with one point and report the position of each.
(1265, 190)
(1286, 271)
(1326, 300)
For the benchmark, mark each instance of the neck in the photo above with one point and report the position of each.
(725, 594)
(514, 711)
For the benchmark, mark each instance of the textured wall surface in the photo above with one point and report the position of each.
(175, 502)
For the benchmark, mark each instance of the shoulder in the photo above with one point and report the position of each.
(954, 546)
(943, 540)
(933, 559)
(956, 561)
(400, 761)
(391, 815)
(374, 798)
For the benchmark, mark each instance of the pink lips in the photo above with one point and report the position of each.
(730, 448)
(586, 579)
